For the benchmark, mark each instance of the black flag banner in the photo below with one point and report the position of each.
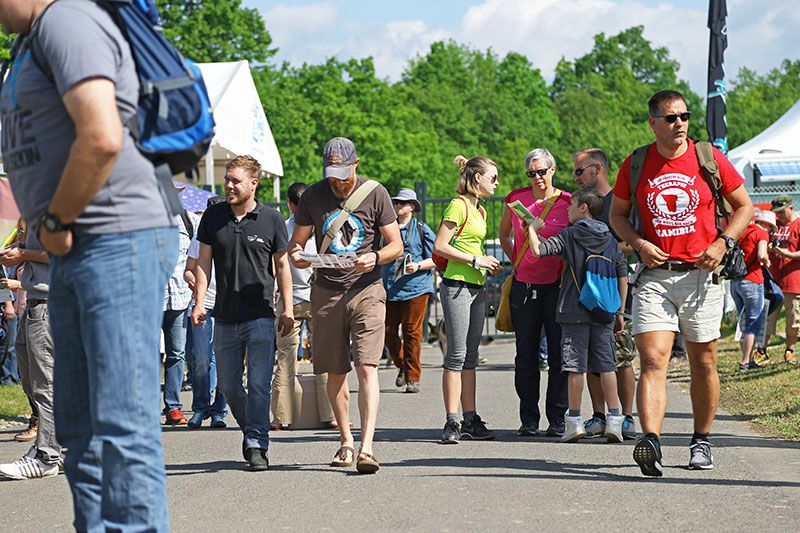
(716, 123)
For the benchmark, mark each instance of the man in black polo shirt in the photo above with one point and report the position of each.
(245, 238)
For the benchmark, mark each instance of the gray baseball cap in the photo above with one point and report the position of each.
(338, 158)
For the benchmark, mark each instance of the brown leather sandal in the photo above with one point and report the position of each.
(367, 465)
(340, 460)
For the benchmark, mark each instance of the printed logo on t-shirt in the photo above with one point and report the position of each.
(350, 235)
(673, 201)
(255, 238)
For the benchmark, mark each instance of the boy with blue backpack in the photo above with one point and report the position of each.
(593, 288)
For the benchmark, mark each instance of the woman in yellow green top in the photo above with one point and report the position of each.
(460, 241)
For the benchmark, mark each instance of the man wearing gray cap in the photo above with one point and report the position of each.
(408, 284)
(348, 214)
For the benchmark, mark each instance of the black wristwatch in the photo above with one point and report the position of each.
(729, 242)
(52, 224)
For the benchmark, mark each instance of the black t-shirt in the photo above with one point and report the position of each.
(242, 251)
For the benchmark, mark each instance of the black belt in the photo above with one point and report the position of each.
(677, 266)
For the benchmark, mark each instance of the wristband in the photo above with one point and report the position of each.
(377, 257)
(639, 248)
(475, 261)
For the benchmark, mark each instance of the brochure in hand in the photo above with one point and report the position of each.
(519, 209)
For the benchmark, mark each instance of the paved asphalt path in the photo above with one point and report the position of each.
(506, 484)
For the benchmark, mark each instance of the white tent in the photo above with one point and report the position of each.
(241, 126)
(772, 156)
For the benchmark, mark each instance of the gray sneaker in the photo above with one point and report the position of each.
(629, 428)
(613, 431)
(573, 429)
(412, 387)
(451, 433)
(594, 427)
(401, 379)
(701, 457)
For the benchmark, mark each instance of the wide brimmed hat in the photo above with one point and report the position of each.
(768, 217)
(408, 195)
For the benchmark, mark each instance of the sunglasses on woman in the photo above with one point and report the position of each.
(669, 119)
(492, 179)
(542, 172)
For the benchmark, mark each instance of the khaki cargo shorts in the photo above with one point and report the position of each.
(685, 302)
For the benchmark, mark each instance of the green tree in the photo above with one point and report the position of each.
(219, 30)
(756, 101)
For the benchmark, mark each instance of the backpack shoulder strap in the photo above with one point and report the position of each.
(351, 204)
(187, 223)
(638, 157)
(710, 170)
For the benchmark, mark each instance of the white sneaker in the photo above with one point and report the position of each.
(573, 429)
(28, 468)
(614, 428)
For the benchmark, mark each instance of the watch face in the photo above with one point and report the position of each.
(49, 224)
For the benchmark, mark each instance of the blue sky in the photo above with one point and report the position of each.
(761, 32)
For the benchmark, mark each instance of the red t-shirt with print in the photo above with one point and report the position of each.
(789, 238)
(675, 202)
(748, 242)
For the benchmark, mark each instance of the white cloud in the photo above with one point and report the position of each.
(761, 34)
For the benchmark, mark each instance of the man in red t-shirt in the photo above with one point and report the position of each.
(679, 247)
(788, 250)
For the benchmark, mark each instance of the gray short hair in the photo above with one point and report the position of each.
(540, 153)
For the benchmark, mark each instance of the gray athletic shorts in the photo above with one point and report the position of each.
(587, 345)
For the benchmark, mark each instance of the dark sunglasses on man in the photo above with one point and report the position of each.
(542, 172)
(669, 119)
(580, 170)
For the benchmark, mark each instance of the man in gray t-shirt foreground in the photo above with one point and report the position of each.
(94, 202)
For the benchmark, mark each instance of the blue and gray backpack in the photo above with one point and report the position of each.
(599, 292)
(173, 126)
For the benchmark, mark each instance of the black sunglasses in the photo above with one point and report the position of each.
(669, 119)
(580, 170)
(542, 172)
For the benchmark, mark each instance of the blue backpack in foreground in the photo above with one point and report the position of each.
(173, 126)
(599, 293)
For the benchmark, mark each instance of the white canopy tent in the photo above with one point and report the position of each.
(241, 125)
(772, 156)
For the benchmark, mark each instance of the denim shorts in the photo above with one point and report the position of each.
(749, 299)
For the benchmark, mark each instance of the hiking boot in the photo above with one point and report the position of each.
(752, 365)
(527, 431)
(28, 468)
(412, 387)
(451, 434)
(218, 421)
(701, 457)
(197, 420)
(175, 418)
(573, 429)
(475, 430)
(554, 431)
(594, 427)
(613, 431)
(257, 459)
(400, 381)
(761, 359)
(30, 433)
(629, 428)
(647, 455)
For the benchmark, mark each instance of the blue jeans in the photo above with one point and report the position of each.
(106, 301)
(174, 327)
(251, 407)
(9, 372)
(750, 305)
(204, 371)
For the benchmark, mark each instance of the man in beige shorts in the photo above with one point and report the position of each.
(680, 245)
(348, 215)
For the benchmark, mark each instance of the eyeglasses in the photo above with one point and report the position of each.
(580, 170)
(542, 172)
(492, 179)
(669, 119)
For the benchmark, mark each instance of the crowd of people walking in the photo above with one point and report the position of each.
(106, 261)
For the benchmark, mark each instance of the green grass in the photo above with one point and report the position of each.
(768, 397)
(13, 402)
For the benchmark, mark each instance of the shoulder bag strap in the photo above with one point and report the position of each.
(548, 205)
(350, 205)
